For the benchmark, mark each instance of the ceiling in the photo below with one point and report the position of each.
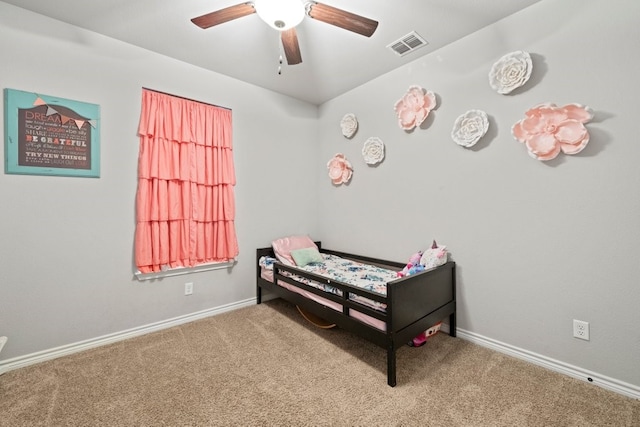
(334, 60)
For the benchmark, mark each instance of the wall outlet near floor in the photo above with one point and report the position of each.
(3, 341)
(581, 329)
(188, 288)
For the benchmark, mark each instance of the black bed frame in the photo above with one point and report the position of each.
(414, 303)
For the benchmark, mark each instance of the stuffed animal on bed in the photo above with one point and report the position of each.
(413, 266)
(420, 261)
(434, 256)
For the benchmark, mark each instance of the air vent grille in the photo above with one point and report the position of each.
(407, 44)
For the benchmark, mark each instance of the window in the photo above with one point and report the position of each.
(185, 204)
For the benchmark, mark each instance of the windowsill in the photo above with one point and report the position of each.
(183, 270)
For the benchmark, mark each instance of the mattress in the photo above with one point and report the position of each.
(364, 276)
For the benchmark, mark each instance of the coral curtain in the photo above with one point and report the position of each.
(185, 205)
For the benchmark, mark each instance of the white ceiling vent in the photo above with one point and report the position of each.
(407, 44)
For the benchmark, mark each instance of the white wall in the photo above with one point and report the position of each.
(537, 244)
(66, 244)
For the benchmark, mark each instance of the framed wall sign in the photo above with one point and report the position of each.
(45, 135)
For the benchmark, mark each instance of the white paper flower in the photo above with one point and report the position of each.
(510, 72)
(373, 151)
(349, 125)
(470, 127)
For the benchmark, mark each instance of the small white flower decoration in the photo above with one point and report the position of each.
(349, 125)
(470, 127)
(373, 150)
(510, 72)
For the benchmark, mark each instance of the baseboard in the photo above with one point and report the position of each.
(603, 381)
(41, 356)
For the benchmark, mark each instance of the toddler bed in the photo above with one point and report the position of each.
(377, 306)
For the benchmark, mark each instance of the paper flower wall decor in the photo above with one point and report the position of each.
(340, 170)
(510, 72)
(470, 127)
(349, 125)
(373, 151)
(548, 129)
(414, 107)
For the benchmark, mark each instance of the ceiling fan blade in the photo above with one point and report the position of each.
(342, 18)
(291, 47)
(223, 15)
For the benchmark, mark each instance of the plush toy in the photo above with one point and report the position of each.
(415, 269)
(413, 266)
(434, 256)
(415, 258)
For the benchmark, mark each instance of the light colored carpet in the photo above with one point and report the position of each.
(266, 366)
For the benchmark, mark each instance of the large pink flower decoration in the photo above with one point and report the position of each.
(548, 129)
(414, 107)
(340, 169)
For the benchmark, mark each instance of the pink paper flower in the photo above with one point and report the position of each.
(414, 107)
(548, 129)
(340, 169)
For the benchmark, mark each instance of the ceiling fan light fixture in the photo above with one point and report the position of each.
(280, 14)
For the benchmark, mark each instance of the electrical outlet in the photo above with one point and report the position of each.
(581, 329)
(188, 288)
(3, 341)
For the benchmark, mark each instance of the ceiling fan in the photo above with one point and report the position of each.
(285, 15)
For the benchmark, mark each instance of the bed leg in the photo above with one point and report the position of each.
(258, 294)
(452, 324)
(391, 365)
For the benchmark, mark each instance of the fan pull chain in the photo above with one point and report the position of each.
(280, 66)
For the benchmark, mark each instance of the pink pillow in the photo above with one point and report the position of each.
(283, 247)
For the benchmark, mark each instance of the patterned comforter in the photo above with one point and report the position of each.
(364, 276)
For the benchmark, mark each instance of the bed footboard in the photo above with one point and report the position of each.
(413, 302)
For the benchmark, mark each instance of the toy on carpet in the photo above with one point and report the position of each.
(421, 339)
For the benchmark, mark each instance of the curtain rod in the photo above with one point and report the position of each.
(188, 99)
